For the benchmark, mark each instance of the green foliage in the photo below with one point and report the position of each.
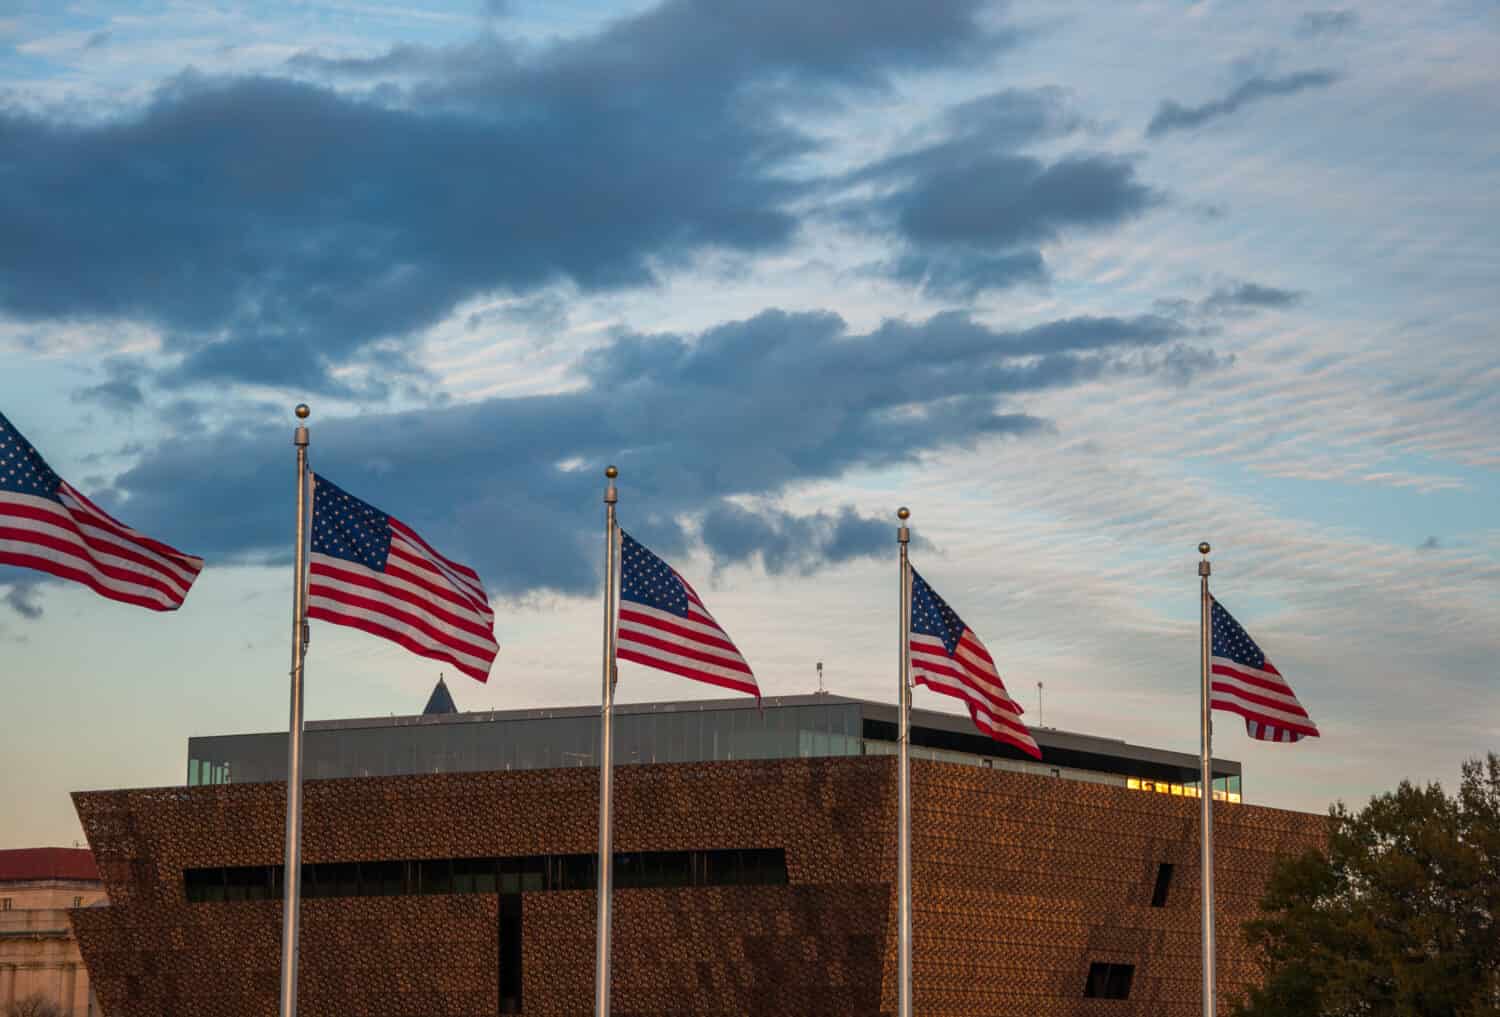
(1397, 918)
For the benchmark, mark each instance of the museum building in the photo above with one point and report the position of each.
(449, 868)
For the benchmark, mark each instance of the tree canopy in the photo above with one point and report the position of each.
(1397, 917)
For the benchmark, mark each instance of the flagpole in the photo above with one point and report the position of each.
(1206, 841)
(606, 754)
(903, 796)
(291, 905)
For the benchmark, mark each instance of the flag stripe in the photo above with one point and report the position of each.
(401, 593)
(1244, 681)
(372, 572)
(671, 666)
(370, 594)
(53, 534)
(55, 519)
(379, 624)
(59, 566)
(187, 565)
(1259, 716)
(949, 657)
(663, 623)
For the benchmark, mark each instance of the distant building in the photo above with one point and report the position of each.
(38, 954)
(449, 869)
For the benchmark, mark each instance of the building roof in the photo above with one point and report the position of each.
(440, 701)
(33, 864)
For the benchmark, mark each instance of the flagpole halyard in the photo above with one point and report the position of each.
(606, 755)
(1206, 840)
(903, 794)
(291, 906)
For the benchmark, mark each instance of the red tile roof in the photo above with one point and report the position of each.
(24, 864)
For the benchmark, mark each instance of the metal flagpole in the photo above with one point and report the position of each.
(606, 752)
(903, 794)
(291, 904)
(1207, 787)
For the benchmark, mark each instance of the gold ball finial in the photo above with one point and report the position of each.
(1203, 548)
(302, 411)
(611, 472)
(903, 513)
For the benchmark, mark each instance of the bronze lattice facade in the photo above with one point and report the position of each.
(1023, 885)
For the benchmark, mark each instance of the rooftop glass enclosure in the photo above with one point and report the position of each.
(785, 728)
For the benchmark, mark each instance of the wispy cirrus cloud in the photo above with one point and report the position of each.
(1174, 116)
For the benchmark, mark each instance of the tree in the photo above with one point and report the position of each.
(34, 1005)
(1396, 918)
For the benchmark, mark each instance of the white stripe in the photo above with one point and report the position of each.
(1007, 723)
(85, 565)
(181, 574)
(332, 586)
(481, 664)
(1254, 672)
(933, 650)
(1219, 698)
(397, 581)
(629, 629)
(1236, 687)
(463, 585)
(693, 624)
(655, 653)
(942, 682)
(85, 553)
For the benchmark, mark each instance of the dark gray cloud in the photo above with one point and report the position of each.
(278, 230)
(1249, 295)
(1231, 300)
(747, 409)
(1314, 24)
(1430, 544)
(123, 387)
(20, 591)
(973, 210)
(1173, 116)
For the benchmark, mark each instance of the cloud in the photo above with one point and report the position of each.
(122, 388)
(972, 209)
(745, 410)
(1173, 116)
(1249, 295)
(1314, 24)
(21, 592)
(1430, 544)
(278, 229)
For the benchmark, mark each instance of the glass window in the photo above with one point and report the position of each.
(435, 875)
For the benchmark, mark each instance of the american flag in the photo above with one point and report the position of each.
(948, 657)
(46, 524)
(370, 571)
(663, 624)
(1243, 681)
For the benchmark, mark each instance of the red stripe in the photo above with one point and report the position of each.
(1274, 704)
(1252, 679)
(358, 576)
(1000, 734)
(749, 688)
(71, 550)
(415, 570)
(62, 518)
(417, 621)
(62, 571)
(411, 534)
(681, 650)
(187, 561)
(376, 629)
(962, 674)
(652, 621)
(970, 640)
(1233, 707)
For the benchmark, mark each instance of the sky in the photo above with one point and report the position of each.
(1081, 284)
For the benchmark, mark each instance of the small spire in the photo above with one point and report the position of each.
(440, 701)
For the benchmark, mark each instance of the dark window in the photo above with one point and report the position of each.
(1163, 881)
(435, 875)
(382, 879)
(510, 953)
(1109, 981)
